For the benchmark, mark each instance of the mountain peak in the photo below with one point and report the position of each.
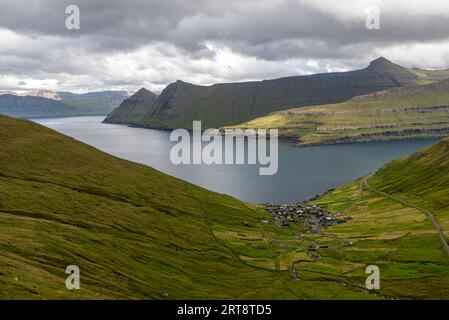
(182, 83)
(381, 61)
(143, 92)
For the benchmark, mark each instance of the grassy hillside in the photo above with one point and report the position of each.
(138, 233)
(412, 112)
(430, 75)
(392, 227)
(421, 179)
(181, 103)
(133, 231)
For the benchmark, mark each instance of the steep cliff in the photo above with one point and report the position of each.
(230, 103)
(132, 108)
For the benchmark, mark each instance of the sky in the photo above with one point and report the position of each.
(126, 45)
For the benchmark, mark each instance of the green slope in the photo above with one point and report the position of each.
(133, 231)
(138, 233)
(421, 179)
(418, 111)
(400, 223)
(181, 103)
(428, 76)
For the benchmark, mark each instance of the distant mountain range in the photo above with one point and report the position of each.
(46, 103)
(231, 103)
(34, 107)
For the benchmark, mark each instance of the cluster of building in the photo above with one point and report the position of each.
(313, 217)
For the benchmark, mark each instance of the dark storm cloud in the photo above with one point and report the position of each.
(182, 31)
(260, 28)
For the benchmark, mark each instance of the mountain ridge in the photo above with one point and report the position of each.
(230, 103)
(419, 111)
(33, 107)
(90, 103)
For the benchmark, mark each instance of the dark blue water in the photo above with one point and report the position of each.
(303, 172)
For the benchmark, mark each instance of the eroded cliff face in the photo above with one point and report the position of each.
(132, 108)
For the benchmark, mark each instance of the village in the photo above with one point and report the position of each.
(311, 217)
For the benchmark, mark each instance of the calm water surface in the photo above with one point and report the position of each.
(303, 172)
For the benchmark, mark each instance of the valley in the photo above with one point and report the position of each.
(224, 159)
(132, 229)
(302, 172)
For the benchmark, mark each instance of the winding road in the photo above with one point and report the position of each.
(429, 214)
(364, 183)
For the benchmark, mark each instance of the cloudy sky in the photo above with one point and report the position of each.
(125, 45)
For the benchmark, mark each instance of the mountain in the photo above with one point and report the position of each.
(99, 103)
(231, 103)
(34, 107)
(43, 94)
(428, 76)
(418, 111)
(132, 108)
(62, 103)
(400, 223)
(7, 92)
(90, 103)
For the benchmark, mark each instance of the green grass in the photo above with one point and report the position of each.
(137, 233)
(422, 180)
(420, 111)
(133, 231)
(399, 238)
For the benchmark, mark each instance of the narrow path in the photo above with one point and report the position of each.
(361, 187)
(345, 284)
(429, 214)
